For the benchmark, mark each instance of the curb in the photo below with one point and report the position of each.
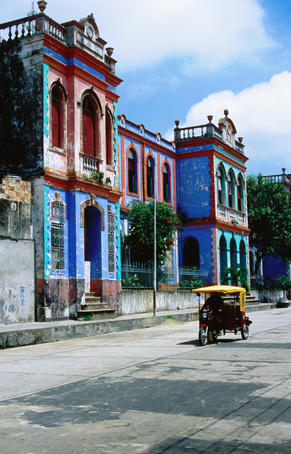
(29, 336)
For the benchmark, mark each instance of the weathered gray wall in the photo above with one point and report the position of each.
(21, 119)
(16, 252)
(272, 296)
(16, 281)
(139, 301)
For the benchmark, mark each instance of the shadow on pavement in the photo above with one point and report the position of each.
(199, 446)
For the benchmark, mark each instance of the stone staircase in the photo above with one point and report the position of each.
(250, 299)
(94, 309)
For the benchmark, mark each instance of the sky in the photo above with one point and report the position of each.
(186, 59)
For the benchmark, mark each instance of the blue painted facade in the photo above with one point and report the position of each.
(194, 184)
(97, 162)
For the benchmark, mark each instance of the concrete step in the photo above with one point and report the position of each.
(92, 306)
(250, 300)
(92, 299)
(97, 314)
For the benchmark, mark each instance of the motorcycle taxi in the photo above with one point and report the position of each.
(223, 311)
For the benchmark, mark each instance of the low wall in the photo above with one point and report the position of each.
(141, 301)
(271, 296)
(16, 281)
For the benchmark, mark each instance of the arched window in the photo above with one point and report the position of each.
(240, 194)
(57, 117)
(90, 127)
(191, 255)
(230, 187)
(222, 257)
(132, 171)
(166, 183)
(243, 259)
(150, 177)
(109, 133)
(221, 185)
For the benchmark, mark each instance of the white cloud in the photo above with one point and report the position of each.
(262, 115)
(210, 33)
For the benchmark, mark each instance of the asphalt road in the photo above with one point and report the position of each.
(151, 391)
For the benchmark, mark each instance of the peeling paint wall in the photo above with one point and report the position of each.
(16, 252)
(16, 281)
(21, 112)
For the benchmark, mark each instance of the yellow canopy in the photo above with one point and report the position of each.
(219, 289)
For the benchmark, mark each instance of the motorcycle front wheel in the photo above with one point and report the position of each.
(203, 335)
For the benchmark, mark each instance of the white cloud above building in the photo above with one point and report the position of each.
(209, 33)
(262, 115)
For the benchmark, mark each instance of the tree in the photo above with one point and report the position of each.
(141, 231)
(269, 213)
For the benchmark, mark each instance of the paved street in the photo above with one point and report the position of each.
(151, 391)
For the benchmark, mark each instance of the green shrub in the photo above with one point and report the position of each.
(131, 282)
(194, 283)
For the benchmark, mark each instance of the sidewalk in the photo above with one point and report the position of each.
(21, 334)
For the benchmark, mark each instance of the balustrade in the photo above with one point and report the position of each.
(229, 214)
(32, 25)
(41, 23)
(90, 164)
(208, 130)
(194, 132)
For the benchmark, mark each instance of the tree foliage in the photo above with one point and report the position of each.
(141, 231)
(269, 212)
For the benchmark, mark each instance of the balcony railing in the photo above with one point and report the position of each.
(208, 130)
(196, 132)
(40, 23)
(239, 147)
(231, 215)
(33, 25)
(90, 164)
(283, 178)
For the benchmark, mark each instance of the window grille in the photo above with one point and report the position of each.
(58, 211)
(57, 243)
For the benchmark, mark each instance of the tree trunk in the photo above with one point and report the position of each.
(258, 262)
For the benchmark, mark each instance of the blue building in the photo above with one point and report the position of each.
(86, 164)
(203, 175)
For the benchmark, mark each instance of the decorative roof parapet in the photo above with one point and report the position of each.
(225, 132)
(83, 34)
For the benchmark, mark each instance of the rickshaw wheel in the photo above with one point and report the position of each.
(203, 336)
(245, 332)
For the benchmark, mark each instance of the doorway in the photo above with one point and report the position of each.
(92, 246)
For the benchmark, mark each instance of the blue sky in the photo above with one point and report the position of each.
(186, 59)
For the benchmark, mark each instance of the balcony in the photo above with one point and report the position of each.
(89, 164)
(228, 214)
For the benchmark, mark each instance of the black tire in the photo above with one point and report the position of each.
(245, 332)
(203, 336)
